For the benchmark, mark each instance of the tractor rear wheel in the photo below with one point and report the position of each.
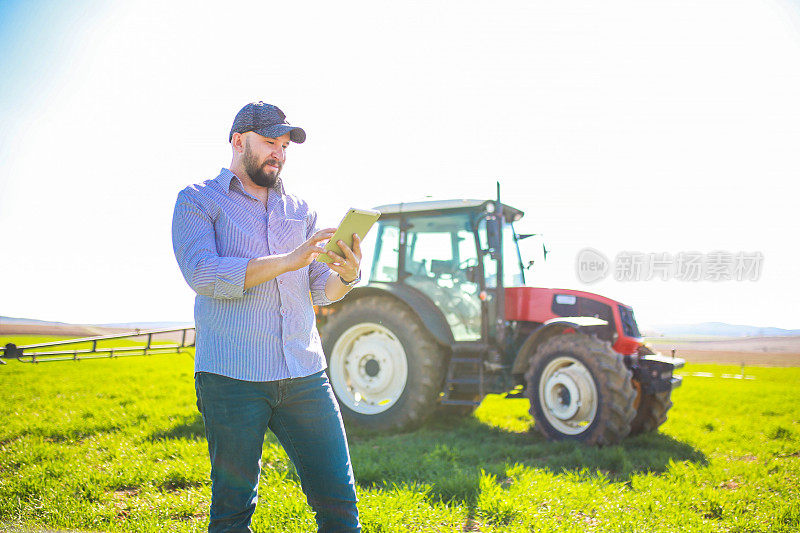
(385, 368)
(580, 390)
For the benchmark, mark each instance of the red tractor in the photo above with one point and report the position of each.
(446, 318)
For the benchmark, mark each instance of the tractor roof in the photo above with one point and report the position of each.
(510, 213)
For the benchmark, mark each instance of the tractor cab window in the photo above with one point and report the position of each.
(441, 261)
(513, 273)
(387, 252)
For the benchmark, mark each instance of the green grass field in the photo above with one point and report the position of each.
(118, 445)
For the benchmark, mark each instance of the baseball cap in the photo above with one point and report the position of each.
(267, 120)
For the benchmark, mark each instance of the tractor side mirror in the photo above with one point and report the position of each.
(532, 250)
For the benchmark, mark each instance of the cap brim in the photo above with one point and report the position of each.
(297, 135)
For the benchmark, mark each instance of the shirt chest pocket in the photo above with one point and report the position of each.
(287, 235)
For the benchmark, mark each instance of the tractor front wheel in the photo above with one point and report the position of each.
(651, 408)
(580, 390)
(651, 412)
(385, 368)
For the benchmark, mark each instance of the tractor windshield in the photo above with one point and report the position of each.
(440, 252)
(513, 272)
(386, 252)
(440, 260)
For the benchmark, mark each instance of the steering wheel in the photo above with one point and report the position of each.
(463, 266)
(469, 262)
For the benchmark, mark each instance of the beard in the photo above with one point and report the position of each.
(258, 173)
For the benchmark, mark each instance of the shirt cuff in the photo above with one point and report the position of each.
(229, 281)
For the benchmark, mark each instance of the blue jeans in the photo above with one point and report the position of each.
(304, 415)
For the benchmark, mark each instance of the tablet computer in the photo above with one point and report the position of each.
(357, 221)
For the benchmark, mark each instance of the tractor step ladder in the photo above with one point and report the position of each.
(464, 384)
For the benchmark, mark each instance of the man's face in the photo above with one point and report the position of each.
(263, 158)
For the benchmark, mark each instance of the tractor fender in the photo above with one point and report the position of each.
(429, 315)
(554, 326)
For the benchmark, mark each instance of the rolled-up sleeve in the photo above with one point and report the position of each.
(318, 272)
(195, 249)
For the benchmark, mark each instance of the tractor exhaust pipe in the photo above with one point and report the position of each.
(500, 297)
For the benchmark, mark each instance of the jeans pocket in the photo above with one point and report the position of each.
(197, 377)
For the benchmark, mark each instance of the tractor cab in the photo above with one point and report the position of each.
(451, 251)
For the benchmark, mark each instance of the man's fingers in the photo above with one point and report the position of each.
(356, 245)
(336, 257)
(336, 268)
(322, 235)
(347, 252)
(316, 240)
(343, 269)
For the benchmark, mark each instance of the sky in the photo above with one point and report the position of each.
(620, 126)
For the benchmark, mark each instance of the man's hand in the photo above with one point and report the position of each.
(309, 250)
(348, 266)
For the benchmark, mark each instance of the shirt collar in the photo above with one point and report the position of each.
(227, 178)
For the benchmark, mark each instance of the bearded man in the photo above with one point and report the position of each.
(247, 248)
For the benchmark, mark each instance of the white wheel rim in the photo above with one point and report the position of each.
(568, 395)
(368, 368)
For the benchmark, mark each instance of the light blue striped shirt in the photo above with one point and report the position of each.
(267, 332)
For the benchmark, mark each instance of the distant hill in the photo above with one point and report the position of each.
(31, 321)
(10, 320)
(717, 329)
(148, 325)
(28, 326)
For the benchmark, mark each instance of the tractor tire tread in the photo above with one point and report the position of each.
(652, 412)
(653, 407)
